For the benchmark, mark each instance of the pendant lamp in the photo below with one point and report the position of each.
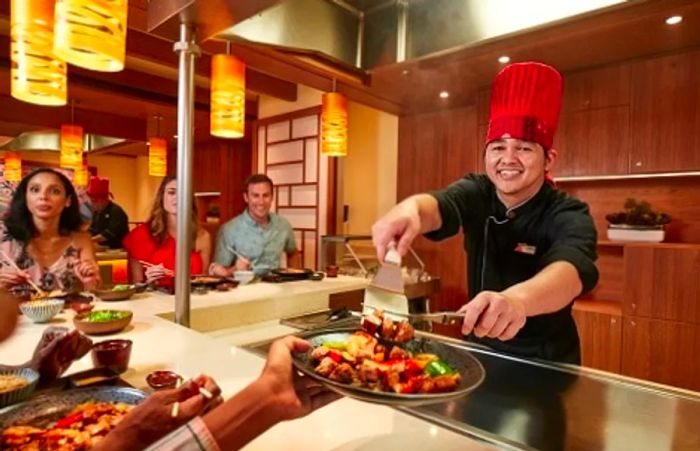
(38, 75)
(91, 33)
(13, 167)
(334, 125)
(80, 174)
(157, 157)
(71, 146)
(227, 96)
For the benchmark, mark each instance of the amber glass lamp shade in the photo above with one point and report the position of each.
(227, 96)
(80, 174)
(71, 146)
(91, 34)
(13, 167)
(334, 125)
(157, 157)
(37, 75)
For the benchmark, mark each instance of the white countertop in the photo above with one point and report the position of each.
(248, 314)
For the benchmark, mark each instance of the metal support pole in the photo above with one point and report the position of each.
(188, 51)
(401, 30)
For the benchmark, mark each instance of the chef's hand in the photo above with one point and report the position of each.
(153, 418)
(402, 224)
(242, 264)
(216, 269)
(296, 396)
(11, 279)
(491, 314)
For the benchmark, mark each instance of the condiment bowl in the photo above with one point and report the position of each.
(161, 380)
(113, 354)
(43, 310)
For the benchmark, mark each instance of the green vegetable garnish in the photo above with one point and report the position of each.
(438, 368)
(334, 345)
(121, 287)
(100, 316)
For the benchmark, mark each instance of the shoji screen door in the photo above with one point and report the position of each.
(288, 152)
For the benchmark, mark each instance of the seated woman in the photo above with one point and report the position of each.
(41, 239)
(151, 246)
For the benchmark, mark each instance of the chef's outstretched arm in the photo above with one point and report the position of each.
(502, 314)
(411, 217)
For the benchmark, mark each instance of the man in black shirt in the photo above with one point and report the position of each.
(531, 248)
(110, 224)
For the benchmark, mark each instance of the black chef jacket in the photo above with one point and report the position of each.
(508, 246)
(112, 223)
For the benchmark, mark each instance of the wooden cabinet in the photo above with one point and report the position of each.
(666, 114)
(662, 351)
(600, 331)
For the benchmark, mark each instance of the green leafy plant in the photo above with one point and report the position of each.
(638, 214)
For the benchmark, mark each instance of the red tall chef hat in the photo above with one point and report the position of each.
(98, 187)
(525, 103)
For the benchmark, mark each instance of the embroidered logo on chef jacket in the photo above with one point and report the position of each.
(524, 248)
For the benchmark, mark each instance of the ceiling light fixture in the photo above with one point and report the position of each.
(505, 59)
(674, 20)
(227, 96)
(444, 94)
(91, 34)
(334, 124)
(157, 153)
(12, 171)
(37, 75)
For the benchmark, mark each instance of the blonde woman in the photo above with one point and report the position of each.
(151, 246)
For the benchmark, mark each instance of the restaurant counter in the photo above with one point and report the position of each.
(520, 405)
(161, 344)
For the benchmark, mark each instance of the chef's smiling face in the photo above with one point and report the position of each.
(517, 168)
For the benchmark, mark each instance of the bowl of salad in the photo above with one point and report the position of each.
(120, 292)
(98, 322)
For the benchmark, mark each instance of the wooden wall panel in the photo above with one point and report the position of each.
(601, 339)
(677, 196)
(612, 273)
(434, 150)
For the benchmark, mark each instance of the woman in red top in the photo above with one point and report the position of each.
(151, 246)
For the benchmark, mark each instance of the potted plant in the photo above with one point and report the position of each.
(637, 223)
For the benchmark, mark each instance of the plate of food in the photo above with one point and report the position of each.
(120, 292)
(76, 418)
(205, 280)
(292, 273)
(389, 365)
(102, 321)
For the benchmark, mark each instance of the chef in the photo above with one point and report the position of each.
(530, 247)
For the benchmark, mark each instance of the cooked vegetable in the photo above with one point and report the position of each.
(438, 368)
(100, 316)
(121, 287)
(334, 345)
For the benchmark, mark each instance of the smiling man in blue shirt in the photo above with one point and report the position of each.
(255, 239)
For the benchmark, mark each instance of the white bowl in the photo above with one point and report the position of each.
(43, 310)
(243, 277)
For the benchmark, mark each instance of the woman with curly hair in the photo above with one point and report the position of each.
(42, 237)
(151, 246)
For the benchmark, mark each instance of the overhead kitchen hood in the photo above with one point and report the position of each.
(370, 33)
(50, 140)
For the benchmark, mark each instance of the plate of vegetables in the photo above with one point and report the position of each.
(120, 292)
(99, 322)
(418, 371)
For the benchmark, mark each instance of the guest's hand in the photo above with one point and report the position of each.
(11, 279)
(216, 269)
(57, 349)
(155, 272)
(153, 418)
(296, 396)
(242, 264)
(89, 273)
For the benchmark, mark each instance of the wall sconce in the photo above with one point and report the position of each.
(91, 34)
(334, 124)
(227, 97)
(13, 167)
(37, 75)
(71, 146)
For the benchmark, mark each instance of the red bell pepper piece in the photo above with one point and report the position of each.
(67, 421)
(336, 356)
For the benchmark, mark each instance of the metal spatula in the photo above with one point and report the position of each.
(386, 291)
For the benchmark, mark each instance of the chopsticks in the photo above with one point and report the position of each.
(12, 263)
(176, 405)
(166, 271)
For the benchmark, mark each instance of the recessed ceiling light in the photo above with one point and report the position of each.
(175, 136)
(674, 20)
(505, 59)
(444, 94)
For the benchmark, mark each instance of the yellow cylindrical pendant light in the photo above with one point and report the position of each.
(71, 146)
(334, 125)
(157, 157)
(80, 174)
(38, 76)
(227, 96)
(13, 167)
(91, 33)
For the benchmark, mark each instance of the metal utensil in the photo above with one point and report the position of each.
(386, 291)
(436, 317)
